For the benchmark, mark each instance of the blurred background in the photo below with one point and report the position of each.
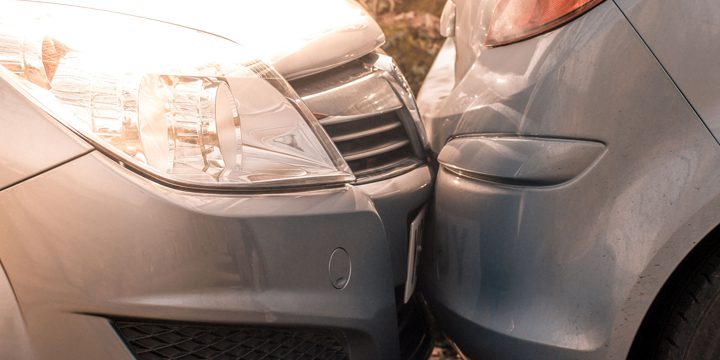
(413, 39)
(412, 32)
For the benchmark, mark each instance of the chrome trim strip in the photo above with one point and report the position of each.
(334, 120)
(376, 150)
(369, 132)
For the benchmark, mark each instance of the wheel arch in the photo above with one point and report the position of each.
(688, 254)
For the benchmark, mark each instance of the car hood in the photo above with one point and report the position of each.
(298, 37)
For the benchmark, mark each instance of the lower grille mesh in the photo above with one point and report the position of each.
(159, 340)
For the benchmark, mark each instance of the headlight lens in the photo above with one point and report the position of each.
(178, 104)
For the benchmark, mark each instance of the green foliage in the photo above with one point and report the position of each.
(412, 33)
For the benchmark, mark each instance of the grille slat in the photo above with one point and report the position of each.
(363, 124)
(362, 134)
(379, 150)
(326, 120)
(374, 145)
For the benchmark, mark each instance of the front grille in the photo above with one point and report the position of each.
(372, 145)
(150, 340)
(360, 108)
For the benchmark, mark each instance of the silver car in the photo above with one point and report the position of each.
(577, 202)
(206, 180)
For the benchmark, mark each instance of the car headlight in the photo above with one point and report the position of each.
(183, 106)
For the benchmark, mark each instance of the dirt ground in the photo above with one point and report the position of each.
(412, 33)
(440, 353)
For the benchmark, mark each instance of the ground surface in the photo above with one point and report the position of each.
(444, 351)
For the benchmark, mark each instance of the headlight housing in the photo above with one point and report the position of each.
(182, 106)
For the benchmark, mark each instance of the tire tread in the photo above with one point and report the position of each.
(689, 309)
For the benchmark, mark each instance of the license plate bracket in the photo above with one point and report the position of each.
(415, 236)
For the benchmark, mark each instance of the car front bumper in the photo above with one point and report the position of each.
(90, 241)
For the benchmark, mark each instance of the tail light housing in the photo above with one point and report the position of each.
(505, 22)
(515, 20)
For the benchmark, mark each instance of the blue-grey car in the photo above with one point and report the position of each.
(207, 180)
(577, 201)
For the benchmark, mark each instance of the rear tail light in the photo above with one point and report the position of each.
(505, 22)
(515, 20)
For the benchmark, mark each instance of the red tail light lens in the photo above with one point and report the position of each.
(515, 20)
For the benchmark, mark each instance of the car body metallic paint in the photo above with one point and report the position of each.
(298, 37)
(395, 200)
(565, 271)
(688, 53)
(14, 342)
(77, 244)
(32, 141)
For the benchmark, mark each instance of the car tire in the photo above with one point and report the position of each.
(691, 330)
